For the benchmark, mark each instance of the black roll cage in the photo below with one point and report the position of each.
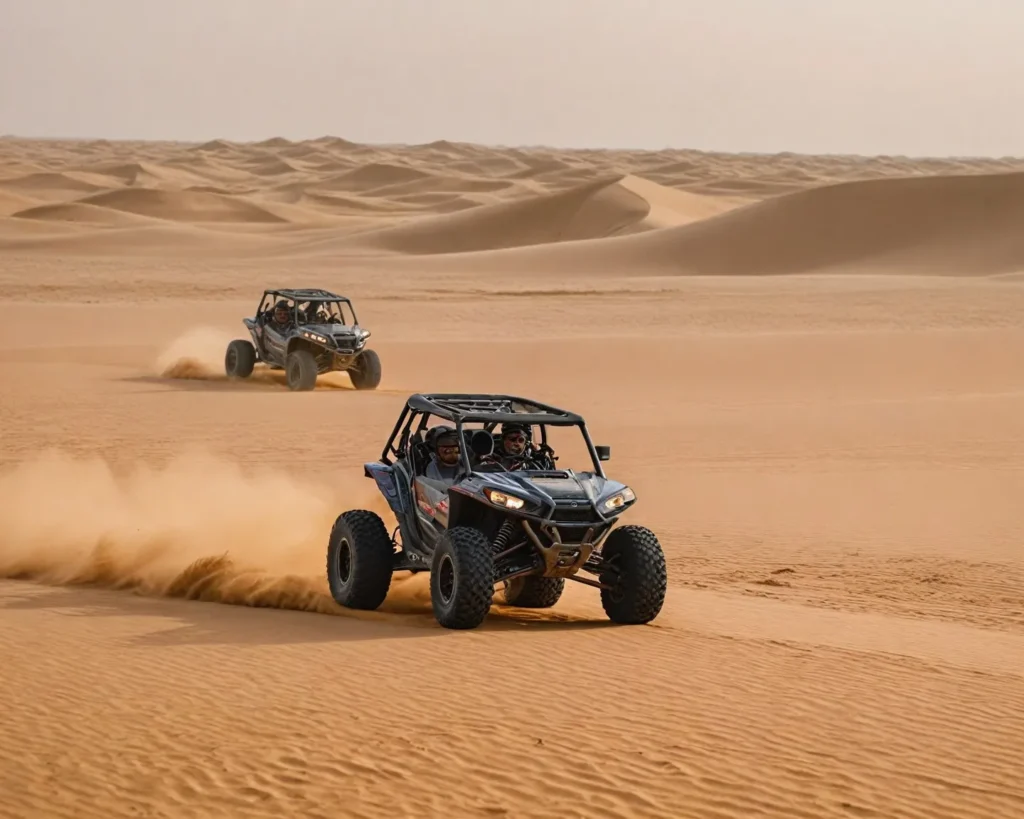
(298, 295)
(491, 410)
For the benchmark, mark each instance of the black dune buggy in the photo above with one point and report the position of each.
(527, 525)
(321, 334)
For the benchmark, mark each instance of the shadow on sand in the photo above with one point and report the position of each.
(190, 622)
(266, 381)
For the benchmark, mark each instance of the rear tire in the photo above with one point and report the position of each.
(640, 578)
(300, 370)
(462, 578)
(366, 371)
(532, 592)
(359, 560)
(239, 359)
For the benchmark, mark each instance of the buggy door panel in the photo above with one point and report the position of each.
(258, 324)
(274, 344)
(407, 516)
(431, 499)
(385, 479)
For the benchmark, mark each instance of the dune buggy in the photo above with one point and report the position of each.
(522, 523)
(320, 334)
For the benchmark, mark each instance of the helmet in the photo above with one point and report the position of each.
(446, 445)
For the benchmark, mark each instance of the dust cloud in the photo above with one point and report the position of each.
(198, 354)
(199, 527)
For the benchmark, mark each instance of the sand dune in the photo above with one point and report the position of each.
(13, 202)
(596, 210)
(832, 463)
(965, 225)
(182, 206)
(145, 174)
(52, 184)
(942, 225)
(698, 213)
(599, 209)
(85, 212)
(372, 176)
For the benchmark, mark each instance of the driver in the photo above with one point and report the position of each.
(514, 439)
(282, 317)
(444, 466)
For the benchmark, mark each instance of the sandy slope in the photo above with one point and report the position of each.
(573, 210)
(834, 465)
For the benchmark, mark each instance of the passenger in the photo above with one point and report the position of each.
(313, 313)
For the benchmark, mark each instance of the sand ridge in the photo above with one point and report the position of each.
(660, 212)
(832, 461)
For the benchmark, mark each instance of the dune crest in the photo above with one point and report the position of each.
(962, 225)
(596, 210)
(182, 206)
(965, 225)
(667, 212)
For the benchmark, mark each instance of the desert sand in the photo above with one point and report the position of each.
(809, 368)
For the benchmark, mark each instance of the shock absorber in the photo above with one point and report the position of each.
(501, 539)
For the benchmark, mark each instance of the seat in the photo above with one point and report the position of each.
(419, 456)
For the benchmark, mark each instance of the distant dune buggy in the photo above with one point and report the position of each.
(319, 334)
(528, 525)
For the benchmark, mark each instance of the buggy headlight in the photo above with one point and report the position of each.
(501, 499)
(314, 336)
(620, 499)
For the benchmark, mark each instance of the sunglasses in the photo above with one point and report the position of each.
(516, 438)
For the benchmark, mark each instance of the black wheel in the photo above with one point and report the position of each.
(239, 359)
(300, 370)
(365, 372)
(639, 579)
(534, 592)
(359, 555)
(462, 578)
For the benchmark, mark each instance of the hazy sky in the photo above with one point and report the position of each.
(923, 77)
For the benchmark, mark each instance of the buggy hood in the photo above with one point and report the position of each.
(350, 333)
(549, 490)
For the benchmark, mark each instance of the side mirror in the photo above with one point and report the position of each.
(604, 453)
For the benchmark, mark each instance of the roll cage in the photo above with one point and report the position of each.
(299, 296)
(488, 410)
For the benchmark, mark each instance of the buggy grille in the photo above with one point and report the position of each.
(565, 513)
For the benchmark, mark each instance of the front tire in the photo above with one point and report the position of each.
(533, 592)
(239, 359)
(300, 371)
(359, 555)
(637, 574)
(366, 371)
(462, 578)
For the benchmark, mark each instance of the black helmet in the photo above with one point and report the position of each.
(447, 438)
(442, 435)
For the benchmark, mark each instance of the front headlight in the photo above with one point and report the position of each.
(620, 499)
(504, 500)
(315, 336)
